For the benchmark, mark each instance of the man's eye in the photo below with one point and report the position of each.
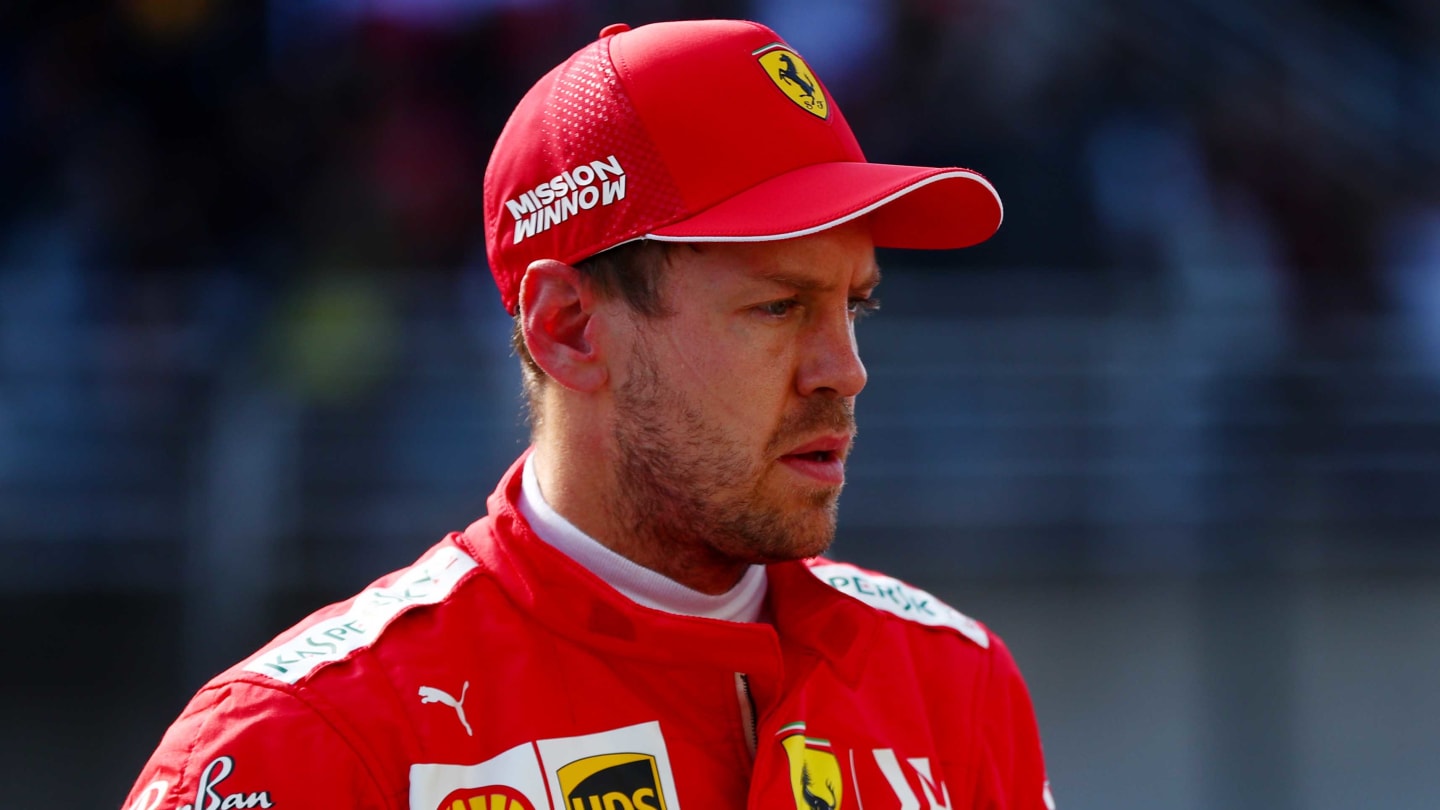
(860, 307)
(779, 309)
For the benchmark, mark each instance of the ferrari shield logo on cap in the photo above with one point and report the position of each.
(790, 73)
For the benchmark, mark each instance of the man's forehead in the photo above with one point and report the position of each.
(841, 258)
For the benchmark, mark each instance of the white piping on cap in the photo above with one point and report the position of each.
(968, 175)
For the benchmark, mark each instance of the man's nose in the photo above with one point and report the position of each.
(831, 359)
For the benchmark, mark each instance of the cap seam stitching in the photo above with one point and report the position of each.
(620, 62)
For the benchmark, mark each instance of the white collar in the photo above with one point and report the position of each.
(743, 603)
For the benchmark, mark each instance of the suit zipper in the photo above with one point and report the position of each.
(747, 711)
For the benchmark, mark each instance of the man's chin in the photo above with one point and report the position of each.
(806, 539)
(814, 550)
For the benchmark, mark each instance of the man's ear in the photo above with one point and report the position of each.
(556, 311)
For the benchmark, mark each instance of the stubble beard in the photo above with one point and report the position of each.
(682, 480)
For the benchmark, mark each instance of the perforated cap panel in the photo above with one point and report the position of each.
(606, 183)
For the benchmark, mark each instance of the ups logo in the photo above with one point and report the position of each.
(790, 73)
(612, 782)
(494, 797)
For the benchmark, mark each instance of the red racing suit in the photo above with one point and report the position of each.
(497, 674)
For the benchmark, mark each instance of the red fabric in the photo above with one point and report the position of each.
(569, 692)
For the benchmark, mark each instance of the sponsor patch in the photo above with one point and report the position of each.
(629, 781)
(490, 797)
(425, 583)
(892, 595)
(790, 73)
(621, 769)
(578, 188)
(209, 797)
(815, 775)
(937, 795)
(647, 770)
(514, 775)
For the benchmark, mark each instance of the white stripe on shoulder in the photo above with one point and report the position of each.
(894, 596)
(426, 582)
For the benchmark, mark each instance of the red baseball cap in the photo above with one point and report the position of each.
(700, 131)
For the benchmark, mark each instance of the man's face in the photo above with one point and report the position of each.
(735, 412)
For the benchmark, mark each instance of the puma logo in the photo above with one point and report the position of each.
(429, 694)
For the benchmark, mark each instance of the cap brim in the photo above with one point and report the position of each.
(908, 206)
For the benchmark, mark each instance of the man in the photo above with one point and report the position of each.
(683, 227)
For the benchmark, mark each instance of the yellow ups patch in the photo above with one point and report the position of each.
(790, 73)
(815, 774)
(612, 782)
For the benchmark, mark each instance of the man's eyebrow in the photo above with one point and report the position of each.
(808, 284)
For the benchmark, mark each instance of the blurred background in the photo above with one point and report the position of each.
(1174, 432)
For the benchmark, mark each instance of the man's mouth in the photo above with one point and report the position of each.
(817, 455)
(824, 448)
(822, 460)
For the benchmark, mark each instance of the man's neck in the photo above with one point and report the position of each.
(589, 495)
(742, 603)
